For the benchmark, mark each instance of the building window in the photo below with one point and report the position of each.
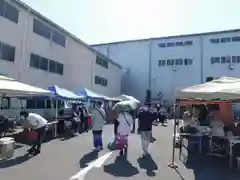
(8, 11)
(34, 61)
(188, 62)
(228, 59)
(161, 62)
(225, 40)
(234, 59)
(60, 68)
(178, 62)
(58, 38)
(170, 62)
(102, 62)
(188, 43)
(215, 41)
(215, 60)
(43, 64)
(235, 39)
(41, 29)
(100, 81)
(238, 59)
(7, 52)
(179, 43)
(223, 59)
(46, 64)
(45, 31)
(55, 67)
(171, 44)
(162, 45)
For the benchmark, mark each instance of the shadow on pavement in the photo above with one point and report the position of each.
(65, 138)
(209, 167)
(87, 158)
(148, 164)
(121, 168)
(15, 161)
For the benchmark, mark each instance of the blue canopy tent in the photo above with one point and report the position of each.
(65, 94)
(89, 94)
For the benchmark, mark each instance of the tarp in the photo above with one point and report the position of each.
(89, 94)
(13, 88)
(64, 93)
(224, 88)
(125, 97)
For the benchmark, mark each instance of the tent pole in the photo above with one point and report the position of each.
(172, 164)
(52, 107)
(56, 110)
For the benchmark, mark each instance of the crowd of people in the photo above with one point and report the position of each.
(95, 117)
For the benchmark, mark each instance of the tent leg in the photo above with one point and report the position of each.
(56, 110)
(172, 164)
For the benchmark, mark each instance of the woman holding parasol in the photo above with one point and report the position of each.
(125, 121)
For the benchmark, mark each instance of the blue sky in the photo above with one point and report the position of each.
(101, 21)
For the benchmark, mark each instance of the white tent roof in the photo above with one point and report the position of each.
(125, 97)
(13, 88)
(106, 97)
(224, 88)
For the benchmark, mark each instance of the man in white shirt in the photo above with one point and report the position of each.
(38, 124)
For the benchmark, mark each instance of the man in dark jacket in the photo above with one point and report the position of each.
(84, 116)
(146, 118)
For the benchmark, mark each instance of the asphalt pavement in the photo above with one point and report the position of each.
(62, 159)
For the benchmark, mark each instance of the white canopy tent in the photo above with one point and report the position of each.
(224, 88)
(106, 97)
(13, 88)
(124, 97)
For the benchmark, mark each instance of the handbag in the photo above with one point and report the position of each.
(33, 136)
(121, 141)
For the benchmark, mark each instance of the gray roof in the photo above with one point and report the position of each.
(171, 37)
(31, 10)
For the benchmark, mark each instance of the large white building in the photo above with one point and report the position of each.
(166, 64)
(36, 51)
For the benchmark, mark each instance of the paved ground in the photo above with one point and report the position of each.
(60, 160)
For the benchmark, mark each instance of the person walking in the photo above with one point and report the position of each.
(125, 122)
(76, 120)
(85, 118)
(146, 119)
(162, 114)
(37, 124)
(98, 121)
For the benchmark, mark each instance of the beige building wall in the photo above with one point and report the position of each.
(79, 59)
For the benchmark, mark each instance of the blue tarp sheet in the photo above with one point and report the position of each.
(89, 94)
(65, 94)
